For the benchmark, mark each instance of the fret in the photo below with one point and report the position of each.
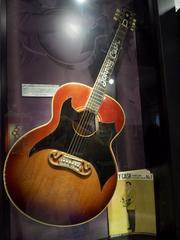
(97, 99)
(97, 93)
(99, 87)
(98, 90)
(93, 108)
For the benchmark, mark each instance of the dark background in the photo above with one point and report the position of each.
(159, 61)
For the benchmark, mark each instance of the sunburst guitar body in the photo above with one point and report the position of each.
(80, 188)
(64, 172)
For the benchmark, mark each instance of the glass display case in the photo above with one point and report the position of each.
(89, 119)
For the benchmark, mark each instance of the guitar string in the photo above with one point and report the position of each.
(81, 124)
(80, 139)
(82, 121)
(85, 115)
(76, 140)
(78, 130)
(90, 118)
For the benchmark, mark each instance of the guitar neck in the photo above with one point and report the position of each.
(106, 70)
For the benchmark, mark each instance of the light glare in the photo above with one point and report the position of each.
(73, 30)
(111, 81)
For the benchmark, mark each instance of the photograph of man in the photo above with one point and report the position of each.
(128, 201)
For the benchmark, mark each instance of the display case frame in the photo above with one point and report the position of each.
(157, 26)
(5, 213)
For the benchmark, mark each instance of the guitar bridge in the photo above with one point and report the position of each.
(60, 159)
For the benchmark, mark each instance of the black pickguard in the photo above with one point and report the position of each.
(95, 148)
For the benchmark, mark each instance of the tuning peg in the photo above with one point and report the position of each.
(133, 25)
(118, 10)
(117, 15)
(115, 18)
(133, 28)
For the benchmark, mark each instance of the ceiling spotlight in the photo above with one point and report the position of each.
(80, 1)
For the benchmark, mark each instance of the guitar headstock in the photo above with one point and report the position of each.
(126, 18)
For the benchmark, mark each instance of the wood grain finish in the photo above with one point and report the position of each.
(59, 196)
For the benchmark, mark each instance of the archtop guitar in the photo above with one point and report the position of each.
(64, 172)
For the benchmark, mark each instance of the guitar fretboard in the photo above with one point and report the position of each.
(106, 70)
